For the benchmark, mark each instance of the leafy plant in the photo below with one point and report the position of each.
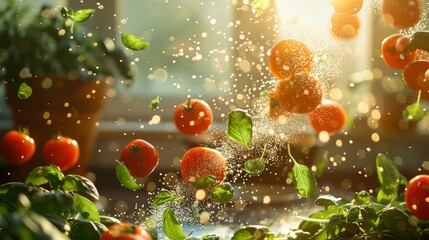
(49, 42)
(51, 205)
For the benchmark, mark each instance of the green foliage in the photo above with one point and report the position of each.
(255, 167)
(133, 42)
(124, 177)
(50, 205)
(223, 192)
(240, 127)
(204, 182)
(47, 41)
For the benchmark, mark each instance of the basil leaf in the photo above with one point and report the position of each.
(321, 165)
(362, 198)
(387, 173)
(240, 127)
(205, 182)
(154, 103)
(255, 167)
(133, 42)
(171, 225)
(108, 220)
(386, 195)
(86, 230)
(414, 112)
(125, 178)
(393, 217)
(253, 233)
(303, 180)
(162, 197)
(46, 174)
(259, 6)
(223, 192)
(328, 200)
(24, 91)
(83, 15)
(86, 207)
(76, 183)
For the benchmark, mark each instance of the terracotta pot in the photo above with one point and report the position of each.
(58, 105)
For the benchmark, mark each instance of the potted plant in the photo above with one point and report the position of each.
(55, 74)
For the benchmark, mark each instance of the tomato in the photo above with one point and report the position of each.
(289, 56)
(329, 116)
(393, 52)
(401, 13)
(345, 26)
(140, 157)
(124, 231)
(348, 7)
(17, 147)
(417, 196)
(193, 117)
(61, 151)
(414, 75)
(200, 162)
(301, 94)
(276, 110)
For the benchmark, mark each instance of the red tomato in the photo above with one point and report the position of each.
(348, 7)
(345, 26)
(414, 75)
(401, 13)
(417, 196)
(301, 94)
(61, 151)
(392, 51)
(140, 157)
(193, 117)
(288, 57)
(17, 147)
(329, 116)
(124, 231)
(200, 162)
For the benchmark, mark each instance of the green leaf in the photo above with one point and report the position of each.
(398, 223)
(51, 203)
(133, 42)
(171, 225)
(259, 6)
(108, 220)
(204, 182)
(87, 230)
(321, 165)
(67, 13)
(255, 167)
(415, 111)
(328, 200)
(86, 207)
(303, 180)
(51, 174)
(83, 15)
(240, 127)
(386, 195)
(125, 178)
(223, 192)
(362, 198)
(76, 183)
(164, 196)
(24, 91)
(387, 173)
(154, 103)
(255, 232)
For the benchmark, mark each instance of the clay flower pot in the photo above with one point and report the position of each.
(58, 105)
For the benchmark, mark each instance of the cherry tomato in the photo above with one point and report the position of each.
(289, 56)
(61, 151)
(124, 231)
(401, 13)
(17, 147)
(417, 196)
(348, 7)
(414, 75)
(193, 117)
(345, 26)
(393, 52)
(301, 94)
(200, 162)
(276, 110)
(140, 157)
(329, 116)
